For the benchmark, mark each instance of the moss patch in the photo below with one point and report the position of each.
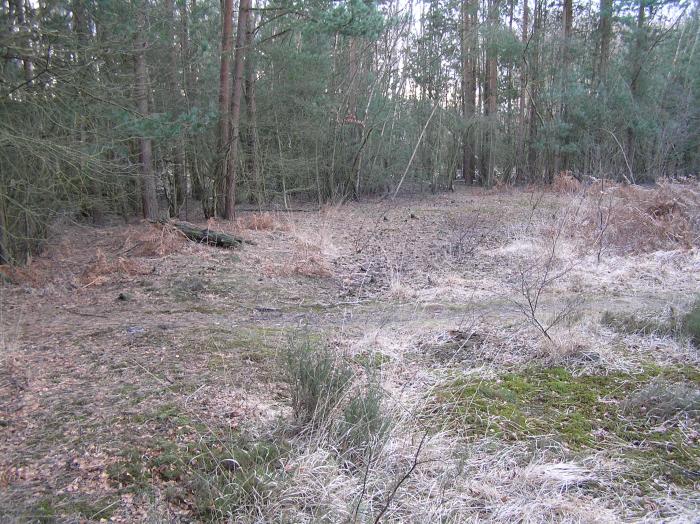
(586, 411)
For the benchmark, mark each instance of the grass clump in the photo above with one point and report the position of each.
(364, 424)
(633, 323)
(585, 412)
(661, 401)
(691, 324)
(318, 381)
(237, 479)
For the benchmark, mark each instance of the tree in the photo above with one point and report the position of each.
(468, 89)
(234, 138)
(148, 183)
(224, 148)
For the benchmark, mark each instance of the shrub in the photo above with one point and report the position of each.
(318, 381)
(364, 423)
(687, 326)
(633, 219)
(691, 324)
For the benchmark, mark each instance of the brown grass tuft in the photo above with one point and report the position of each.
(261, 222)
(633, 219)
(313, 266)
(155, 240)
(102, 269)
(565, 182)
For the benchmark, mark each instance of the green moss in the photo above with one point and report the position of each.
(584, 411)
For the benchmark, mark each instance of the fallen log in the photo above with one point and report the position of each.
(208, 236)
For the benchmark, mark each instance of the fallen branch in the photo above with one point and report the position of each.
(208, 236)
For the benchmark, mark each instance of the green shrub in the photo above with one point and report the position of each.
(691, 324)
(318, 381)
(364, 423)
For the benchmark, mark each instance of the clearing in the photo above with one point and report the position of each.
(147, 378)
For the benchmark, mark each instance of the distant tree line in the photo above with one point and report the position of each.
(183, 107)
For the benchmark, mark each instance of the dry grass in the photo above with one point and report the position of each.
(102, 269)
(152, 240)
(139, 403)
(565, 183)
(262, 222)
(633, 219)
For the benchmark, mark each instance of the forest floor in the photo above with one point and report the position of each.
(147, 378)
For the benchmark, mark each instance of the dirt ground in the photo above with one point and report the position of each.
(135, 364)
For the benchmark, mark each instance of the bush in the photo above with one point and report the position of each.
(691, 324)
(364, 424)
(318, 381)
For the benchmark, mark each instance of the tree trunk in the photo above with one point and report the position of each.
(238, 70)
(562, 160)
(208, 236)
(148, 182)
(523, 93)
(637, 52)
(224, 100)
(605, 30)
(468, 92)
(176, 104)
(21, 14)
(533, 72)
(4, 248)
(491, 94)
(252, 111)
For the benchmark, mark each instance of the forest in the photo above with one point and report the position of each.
(349, 261)
(163, 109)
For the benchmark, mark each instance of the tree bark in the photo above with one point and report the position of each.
(207, 236)
(523, 92)
(491, 94)
(251, 109)
(5, 257)
(180, 184)
(238, 70)
(468, 92)
(148, 183)
(224, 99)
(637, 52)
(533, 72)
(562, 160)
